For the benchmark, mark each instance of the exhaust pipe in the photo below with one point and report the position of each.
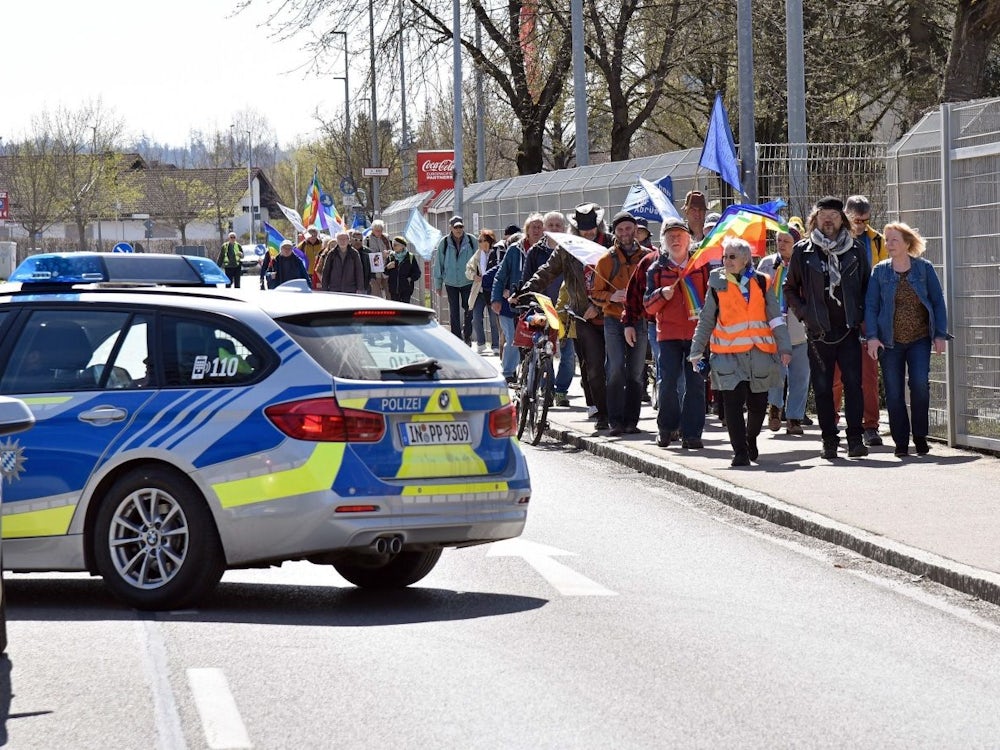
(391, 545)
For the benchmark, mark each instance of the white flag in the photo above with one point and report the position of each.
(422, 236)
(586, 251)
(293, 216)
(662, 203)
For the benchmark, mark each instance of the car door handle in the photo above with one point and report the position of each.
(103, 415)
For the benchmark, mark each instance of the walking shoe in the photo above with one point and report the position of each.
(872, 438)
(920, 443)
(632, 430)
(481, 349)
(807, 421)
(740, 459)
(794, 427)
(496, 351)
(616, 431)
(591, 412)
(774, 418)
(675, 434)
(602, 424)
(511, 379)
(901, 452)
(662, 441)
(562, 399)
(692, 444)
(857, 450)
(752, 451)
(829, 450)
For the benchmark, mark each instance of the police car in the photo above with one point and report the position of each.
(182, 429)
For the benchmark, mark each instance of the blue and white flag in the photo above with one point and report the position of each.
(639, 204)
(422, 236)
(586, 251)
(293, 217)
(719, 152)
(663, 205)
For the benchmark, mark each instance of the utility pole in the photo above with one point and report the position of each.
(250, 186)
(748, 139)
(579, 86)
(376, 159)
(97, 207)
(404, 145)
(347, 104)
(480, 117)
(798, 173)
(456, 66)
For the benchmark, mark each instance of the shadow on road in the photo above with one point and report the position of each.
(40, 599)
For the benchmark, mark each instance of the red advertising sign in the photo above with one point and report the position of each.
(435, 171)
(4, 205)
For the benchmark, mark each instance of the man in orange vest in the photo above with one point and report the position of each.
(742, 317)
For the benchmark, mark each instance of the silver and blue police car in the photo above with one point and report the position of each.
(182, 428)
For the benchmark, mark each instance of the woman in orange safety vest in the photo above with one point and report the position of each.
(743, 321)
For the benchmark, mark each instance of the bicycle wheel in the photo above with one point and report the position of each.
(544, 394)
(526, 402)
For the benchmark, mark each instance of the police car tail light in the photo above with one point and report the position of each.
(503, 421)
(323, 419)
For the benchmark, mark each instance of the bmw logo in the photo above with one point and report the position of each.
(444, 399)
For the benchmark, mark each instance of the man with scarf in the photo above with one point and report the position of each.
(825, 288)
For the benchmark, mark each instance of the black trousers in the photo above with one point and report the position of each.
(590, 349)
(822, 357)
(740, 428)
(234, 274)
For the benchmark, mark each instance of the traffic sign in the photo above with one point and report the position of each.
(123, 247)
(375, 171)
(347, 186)
(4, 203)
(148, 224)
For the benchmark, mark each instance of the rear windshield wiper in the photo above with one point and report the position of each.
(422, 367)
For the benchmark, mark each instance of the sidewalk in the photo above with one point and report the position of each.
(933, 515)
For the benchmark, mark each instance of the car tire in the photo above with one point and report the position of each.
(387, 571)
(155, 542)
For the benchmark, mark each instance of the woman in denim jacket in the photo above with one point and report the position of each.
(905, 317)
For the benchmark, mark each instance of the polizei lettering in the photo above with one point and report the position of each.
(402, 403)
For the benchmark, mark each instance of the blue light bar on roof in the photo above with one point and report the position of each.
(96, 268)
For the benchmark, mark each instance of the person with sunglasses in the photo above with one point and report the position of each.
(750, 344)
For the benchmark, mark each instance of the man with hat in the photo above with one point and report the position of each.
(230, 257)
(642, 234)
(674, 296)
(312, 246)
(587, 221)
(283, 267)
(625, 357)
(825, 287)
(453, 254)
(695, 208)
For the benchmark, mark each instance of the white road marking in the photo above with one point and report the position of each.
(563, 579)
(169, 734)
(220, 718)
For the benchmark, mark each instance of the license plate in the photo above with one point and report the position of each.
(436, 433)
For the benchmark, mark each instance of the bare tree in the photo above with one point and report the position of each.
(30, 173)
(181, 196)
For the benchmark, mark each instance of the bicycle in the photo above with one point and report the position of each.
(537, 336)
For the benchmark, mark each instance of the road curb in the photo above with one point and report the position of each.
(982, 584)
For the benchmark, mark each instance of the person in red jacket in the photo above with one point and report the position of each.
(676, 299)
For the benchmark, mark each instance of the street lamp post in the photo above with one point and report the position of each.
(347, 104)
(376, 206)
(250, 186)
(97, 207)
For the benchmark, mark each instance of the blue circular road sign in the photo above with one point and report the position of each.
(123, 247)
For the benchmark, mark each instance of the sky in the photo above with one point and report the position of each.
(164, 66)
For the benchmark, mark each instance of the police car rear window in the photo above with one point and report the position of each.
(386, 347)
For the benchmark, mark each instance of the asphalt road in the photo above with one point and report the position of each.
(629, 615)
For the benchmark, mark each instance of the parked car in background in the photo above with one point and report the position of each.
(183, 428)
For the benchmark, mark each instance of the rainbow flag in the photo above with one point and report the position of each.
(311, 207)
(692, 298)
(778, 285)
(745, 221)
(274, 240)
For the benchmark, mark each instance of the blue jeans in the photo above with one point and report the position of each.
(797, 374)
(567, 365)
(510, 356)
(913, 359)
(458, 296)
(481, 308)
(623, 365)
(686, 414)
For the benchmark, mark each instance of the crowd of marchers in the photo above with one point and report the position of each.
(741, 336)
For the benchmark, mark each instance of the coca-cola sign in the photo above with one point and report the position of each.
(435, 171)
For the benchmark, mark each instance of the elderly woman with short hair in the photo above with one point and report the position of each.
(749, 342)
(905, 316)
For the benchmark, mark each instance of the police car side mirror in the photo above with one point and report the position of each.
(15, 416)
